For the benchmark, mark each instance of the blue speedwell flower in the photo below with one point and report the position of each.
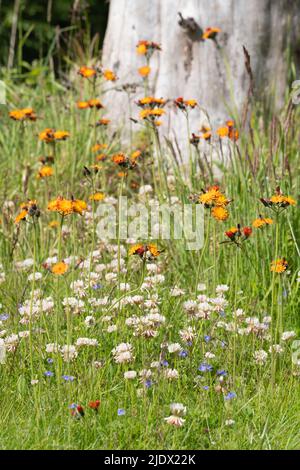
(48, 373)
(121, 412)
(204, 367)
(68, 378)
(230, 396)
(183, 353)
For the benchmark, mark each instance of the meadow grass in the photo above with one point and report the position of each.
(260, 396)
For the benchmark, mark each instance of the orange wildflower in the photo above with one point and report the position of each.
(278, 201)
(185, 104)
(145, 251)
(23, 114)
(97, 197)
(45, 172)
(87, 72)
(144, 71)
(67, 206)
(82, 104)
(109, 75)
(261, 222)
(220, 213)
(49, 135)
(211, 33)
(28, 208)
(97, 147)
(103, 122)
(94, 103)
(147, 47)
(59, 268)
(279, 265)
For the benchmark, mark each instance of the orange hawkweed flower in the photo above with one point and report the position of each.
(220, 213)
(23, 114)
(213, 197)
(151, 102)
(45, 172)
(67, 206)
(279, 265)
(228, 131)
(103, 122)
(278, 201)
(247, 231)
(49, 135)
(94, 405)
(97, 197)
(145, 251)
(147, 48)
(231, 233)
(59, 268)
(122, 160)
(223, 132)
(98, 147)
(21, 216)
(87, 72)
(144, 71)
(205, 133)
(261, 222)
(210, 33)
(151, 113)
(109, 75)
(94, 103)
(82, 104)
(136, 154)
(185, 104)
(28, 208)
(61, 135)
(235, 234)
(119, 158)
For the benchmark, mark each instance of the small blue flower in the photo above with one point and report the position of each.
(48, 373)
(49, 360)
(4, 316)
(121, 412)
(68, 378)
(207, 338)
(221, 372)
(230, 396)
(183, 353)
(164, 363)
(204, 367)
(148, 383)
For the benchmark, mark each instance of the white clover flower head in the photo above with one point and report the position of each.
(130, 374)
(35, 277)
(174, 348)
(287, 335)
(260, 357)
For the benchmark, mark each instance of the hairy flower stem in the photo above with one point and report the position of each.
(274, 302)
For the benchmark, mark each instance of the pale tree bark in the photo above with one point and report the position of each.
(215, 76)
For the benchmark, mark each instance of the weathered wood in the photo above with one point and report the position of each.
(188, 67)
